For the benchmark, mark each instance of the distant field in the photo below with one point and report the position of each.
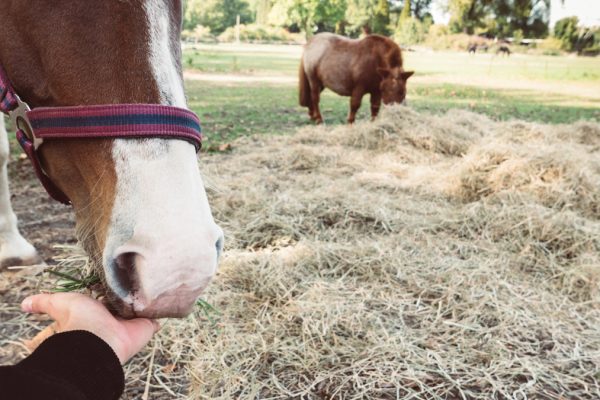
(280, 59)
(248, 89)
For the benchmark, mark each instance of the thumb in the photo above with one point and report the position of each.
(38, 304)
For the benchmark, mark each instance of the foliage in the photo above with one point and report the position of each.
(437, 40)
(517, 36)
(261, 8)
(259, 33)
(382, 17)
(420, 9)
(528, 16)
(551, 46)
(466, 15)
(575, 38)
(191, 14)
(217, 15)
(410, 31)
(199, 34)
(500, 17)
(309, 15)
(405, 11)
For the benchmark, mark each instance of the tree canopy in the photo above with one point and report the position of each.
(503, 18)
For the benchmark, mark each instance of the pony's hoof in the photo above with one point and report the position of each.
(18, 253)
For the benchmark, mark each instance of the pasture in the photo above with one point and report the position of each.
(240, 90)
(449, 250)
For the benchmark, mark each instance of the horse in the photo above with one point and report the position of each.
(503, 50)
(352, 67)
(141, 209)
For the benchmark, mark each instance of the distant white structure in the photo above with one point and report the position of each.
(588, 11)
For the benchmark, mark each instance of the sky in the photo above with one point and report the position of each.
(588, 11)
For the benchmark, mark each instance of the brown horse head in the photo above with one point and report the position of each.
(142, 212)
(393, 84)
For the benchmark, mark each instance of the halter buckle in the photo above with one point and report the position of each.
(21, 121)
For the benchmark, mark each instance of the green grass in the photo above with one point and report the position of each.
(283, 60)
(516, 67)
(239, 62)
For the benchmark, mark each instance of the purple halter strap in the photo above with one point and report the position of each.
(92, 122)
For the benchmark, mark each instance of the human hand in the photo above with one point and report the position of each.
(74, 311)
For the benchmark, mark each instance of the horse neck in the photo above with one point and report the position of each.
(103, 52)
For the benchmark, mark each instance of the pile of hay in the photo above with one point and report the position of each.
(427, 257)
(422, 257)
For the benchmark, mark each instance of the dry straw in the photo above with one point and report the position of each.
(416, 257)
(424, 257)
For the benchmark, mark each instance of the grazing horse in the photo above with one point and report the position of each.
(352, 68)
(503, 50)
(142, 213)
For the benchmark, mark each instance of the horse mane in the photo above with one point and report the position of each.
(392, 55)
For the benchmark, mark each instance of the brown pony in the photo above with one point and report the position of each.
(142, 212)
(352, 68)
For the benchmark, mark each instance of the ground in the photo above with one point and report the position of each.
(434, 254)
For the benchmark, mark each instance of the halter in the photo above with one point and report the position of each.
(36, 126)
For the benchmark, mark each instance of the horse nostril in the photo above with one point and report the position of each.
(125, 273)
(219, 246)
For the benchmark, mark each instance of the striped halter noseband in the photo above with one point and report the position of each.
(92, 122)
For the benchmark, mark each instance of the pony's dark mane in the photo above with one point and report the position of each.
(393, 55)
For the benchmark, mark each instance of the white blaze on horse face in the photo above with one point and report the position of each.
(162, 246)
(14, 250)
(161, 57)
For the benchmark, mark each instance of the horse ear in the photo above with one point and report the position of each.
(383, 72)
(406, 75)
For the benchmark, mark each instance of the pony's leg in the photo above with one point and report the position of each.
(355, 100)
(315, 97)
(14, 250)
(375, 105)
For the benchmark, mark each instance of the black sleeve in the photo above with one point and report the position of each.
(74, 365)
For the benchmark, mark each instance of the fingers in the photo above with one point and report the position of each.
(139, 331)
(141, 328)
(52, 304)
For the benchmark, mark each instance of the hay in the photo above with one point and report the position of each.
(426, 257)
(422, 257)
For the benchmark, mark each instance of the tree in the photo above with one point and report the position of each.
(530, 17)
(218, 15)
(406, 11)
(565, 30)
(467, 15)
(500, 17)
(191, 13)
(309, 15)
(420, 8)
(575, 38)
(360, 15)
(381, 21)
(262, 8)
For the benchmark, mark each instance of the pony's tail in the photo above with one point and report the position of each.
(304, 87)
